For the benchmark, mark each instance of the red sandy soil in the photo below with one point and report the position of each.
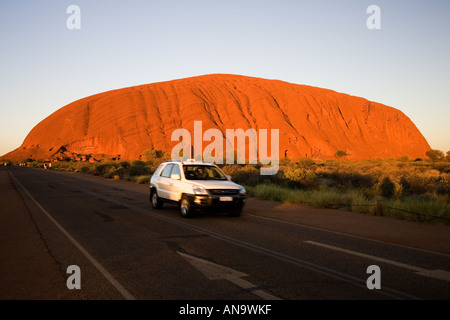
(313, 122)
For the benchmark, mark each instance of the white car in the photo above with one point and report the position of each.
(195, 185)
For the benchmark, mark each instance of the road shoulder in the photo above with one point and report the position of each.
(28, 269)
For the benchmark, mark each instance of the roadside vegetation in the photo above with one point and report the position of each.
(412, 189)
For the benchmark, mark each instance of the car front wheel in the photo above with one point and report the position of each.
(185, 208)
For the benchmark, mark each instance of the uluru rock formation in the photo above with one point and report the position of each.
(312, 122)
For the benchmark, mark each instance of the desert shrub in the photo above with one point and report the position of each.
(124, 164)
(144, 179)
(300, 177)
(404, 158)
(387, 188)
(138, 163)
(441, 166)
(155, 157)
(105, 170)
(106, 160)
(368, 193)
(340, 153)
(251, 175)
(85, 169)
(349, 179)
(406, 185)
(138, 168)
(101, 169)
(435, 155)
(402, 165)
(286, 162)
(65, 166)
(423, 181)
(306, 162)
(120, 172)
(443, 184)
(230, 169)
(246, 174)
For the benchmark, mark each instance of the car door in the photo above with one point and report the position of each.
(173, 188)
(163, 182)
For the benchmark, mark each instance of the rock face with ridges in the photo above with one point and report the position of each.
(312, 122)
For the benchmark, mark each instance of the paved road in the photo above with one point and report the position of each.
(126, 250)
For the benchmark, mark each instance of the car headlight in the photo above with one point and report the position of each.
(242, 191)
(200, 190)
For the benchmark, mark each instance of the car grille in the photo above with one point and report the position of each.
(224, 192)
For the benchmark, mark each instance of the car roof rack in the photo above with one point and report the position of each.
(189, 161)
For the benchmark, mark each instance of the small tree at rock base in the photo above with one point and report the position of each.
(340, 153)
(387, 188)
(435, 155)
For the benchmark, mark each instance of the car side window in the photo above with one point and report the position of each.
(167, 170)
(158, 171)
(175, 170)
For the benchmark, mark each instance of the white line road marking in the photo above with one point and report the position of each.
(215, 271)
(363, 255)
(124, 292)
(435, 274)
(299, 224)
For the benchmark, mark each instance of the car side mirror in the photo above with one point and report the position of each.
(229, 177)
(175, 176)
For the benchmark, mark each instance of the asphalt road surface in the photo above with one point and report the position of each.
(126, 250)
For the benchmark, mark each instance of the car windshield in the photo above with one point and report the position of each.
(201, 172)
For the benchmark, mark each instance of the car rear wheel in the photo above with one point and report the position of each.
(186, 208)
(155, 200)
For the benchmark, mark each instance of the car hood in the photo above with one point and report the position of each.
(216, 184)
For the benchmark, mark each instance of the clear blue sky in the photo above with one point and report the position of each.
(44, 65)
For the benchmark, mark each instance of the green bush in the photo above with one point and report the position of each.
(423, 182)
(387, 188)
(300, 177)
(340, 153)
(346, 179)
(145, 179)
(406, 186)
(240, 174)
(138, 169)
(435, 155)
(85, 169)
(124, 164)
(105, 170)
(155, 157)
